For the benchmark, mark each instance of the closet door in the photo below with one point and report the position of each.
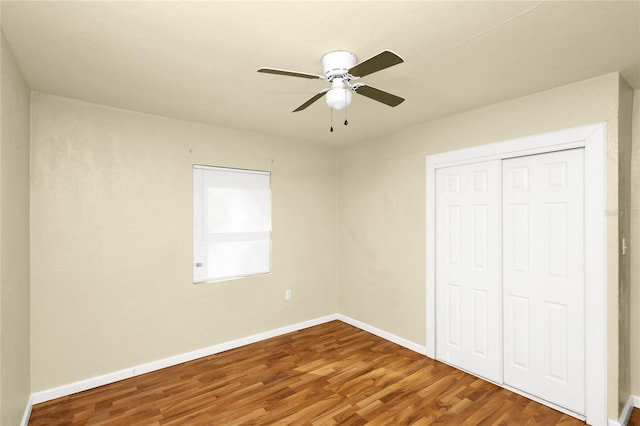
(468, 291)
(543, 277)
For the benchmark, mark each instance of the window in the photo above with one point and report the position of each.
(231, 223)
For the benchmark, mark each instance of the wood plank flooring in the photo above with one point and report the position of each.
(331, 374)
(634, 420)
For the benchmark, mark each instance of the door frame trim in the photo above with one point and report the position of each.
(593, 139)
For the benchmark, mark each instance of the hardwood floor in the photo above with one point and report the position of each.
(331, 374)
(634, 420)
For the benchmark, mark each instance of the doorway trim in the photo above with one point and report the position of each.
(593, 139)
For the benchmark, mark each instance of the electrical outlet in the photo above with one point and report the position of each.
(287, 295)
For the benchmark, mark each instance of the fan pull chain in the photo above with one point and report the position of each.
(331, 128)
(345, 108)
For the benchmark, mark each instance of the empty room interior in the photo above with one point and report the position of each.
(230, 212)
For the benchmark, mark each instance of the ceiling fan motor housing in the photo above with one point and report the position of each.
(337, 63)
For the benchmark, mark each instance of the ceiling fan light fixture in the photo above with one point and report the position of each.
(341, 69)
(339, 98)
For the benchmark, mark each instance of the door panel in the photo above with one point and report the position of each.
(468, 268)
(543, 277)
(518, 331)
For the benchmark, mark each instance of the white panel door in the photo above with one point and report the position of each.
(468, 259)
(543, 276)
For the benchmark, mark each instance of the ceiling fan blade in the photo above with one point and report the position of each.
(312, 100)
(290, 73)
(376, 63)
(378, 95)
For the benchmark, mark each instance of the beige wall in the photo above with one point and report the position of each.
(14, 241)
(381, 204)
(634, 253)
(111, 226)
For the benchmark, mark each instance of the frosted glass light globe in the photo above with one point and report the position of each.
(339, 98)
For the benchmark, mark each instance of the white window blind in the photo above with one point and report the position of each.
(231, 223)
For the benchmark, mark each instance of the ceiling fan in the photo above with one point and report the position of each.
(341, 71)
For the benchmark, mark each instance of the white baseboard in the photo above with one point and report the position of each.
(633, 401)
(27, 412)
(626, 411)
(93, 382)
(82, 385)
(385, 335)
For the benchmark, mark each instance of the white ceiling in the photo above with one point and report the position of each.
(197, 60)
